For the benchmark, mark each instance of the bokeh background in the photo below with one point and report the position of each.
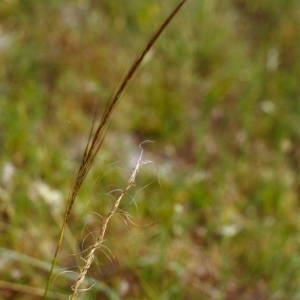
(216, 213)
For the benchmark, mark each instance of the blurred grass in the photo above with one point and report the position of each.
(220, 96)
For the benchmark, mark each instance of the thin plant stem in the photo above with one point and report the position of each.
(91, 255)
(96, 137)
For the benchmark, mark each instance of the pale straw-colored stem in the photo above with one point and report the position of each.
(91, 256)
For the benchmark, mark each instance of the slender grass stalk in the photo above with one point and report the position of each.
(96, 137)
(90, 256)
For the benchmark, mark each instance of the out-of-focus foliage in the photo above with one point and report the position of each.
(217, 213)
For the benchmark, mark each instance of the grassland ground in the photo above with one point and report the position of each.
(216, 215)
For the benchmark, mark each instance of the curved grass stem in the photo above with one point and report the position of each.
(96, 137)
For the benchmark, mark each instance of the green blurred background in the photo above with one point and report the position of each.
(216, 213)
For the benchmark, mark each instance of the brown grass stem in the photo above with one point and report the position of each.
(96, 137)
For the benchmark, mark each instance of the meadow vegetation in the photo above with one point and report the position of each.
(216, 213)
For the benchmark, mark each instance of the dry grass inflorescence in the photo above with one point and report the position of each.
(94, 143)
